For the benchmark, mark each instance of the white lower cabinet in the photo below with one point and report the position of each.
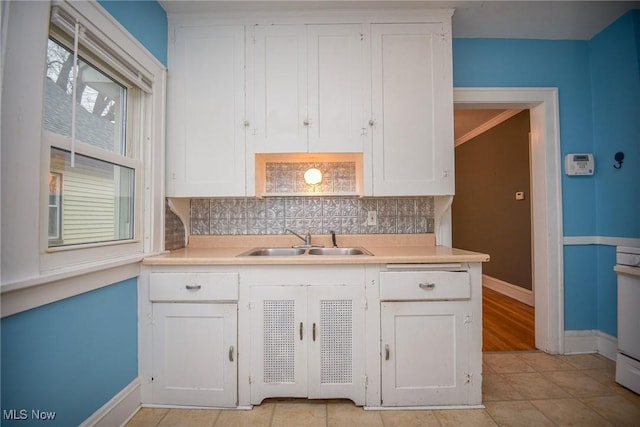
(195, 354)
(424, 355)
(427, 339)
(194, 345)
(308, 341)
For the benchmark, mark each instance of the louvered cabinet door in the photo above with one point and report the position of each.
(336, 342)
(278, 342)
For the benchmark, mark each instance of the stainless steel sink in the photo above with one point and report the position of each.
(339, 251)
(283, 252)
(273, 252)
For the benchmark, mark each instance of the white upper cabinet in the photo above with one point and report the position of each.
(326, 83)
(412, 103)
(337, 78)
(306, 85)
(279, 87)
(206, 112)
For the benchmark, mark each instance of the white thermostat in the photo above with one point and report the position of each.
(579, 164)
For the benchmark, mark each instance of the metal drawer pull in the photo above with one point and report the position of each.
(300, 331)
(386, 352)
(314, 331)
(231, 354)
(427, 286)
(193, 287)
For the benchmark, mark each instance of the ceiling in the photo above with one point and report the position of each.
(570, 20)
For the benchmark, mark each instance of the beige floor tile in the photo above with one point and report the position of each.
(147, 417)
(628, 394)
(486, 369)
(348, 415)
(570, 412)
(603, 376)
(535, 386)
(517, 414)
(190, 418)
(502, 363)
(544, 362)
(579, 384)
(496, 387)
(409, 419)
(259, 416)
(588, 361)
(299, 414)
(616, 409)
(465, 417)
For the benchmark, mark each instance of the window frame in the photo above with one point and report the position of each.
(144, 141)
(129, 159)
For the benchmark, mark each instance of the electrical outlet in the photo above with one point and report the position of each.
(372, 217)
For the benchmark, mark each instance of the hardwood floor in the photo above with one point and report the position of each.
(508, 324)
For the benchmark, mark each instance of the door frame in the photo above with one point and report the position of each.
(546, 199)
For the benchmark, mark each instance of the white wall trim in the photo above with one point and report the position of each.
(35, 296)
(516, 292)
(600, 240)
(546, 199)
(495, 121)
(119, 410)
(590, 341)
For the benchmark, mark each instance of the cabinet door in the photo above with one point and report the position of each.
(279, 333)
(205, 116)
(336, 343)
(425, 357)
(279, 88)
(194, 354)
(412, 104)
(336, 88)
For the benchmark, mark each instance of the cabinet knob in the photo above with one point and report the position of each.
(231, 354)
(427, 286)
(246, 123)
(372, 122)
(307, 122)
(386, 352)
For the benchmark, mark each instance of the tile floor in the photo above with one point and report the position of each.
(519, 389)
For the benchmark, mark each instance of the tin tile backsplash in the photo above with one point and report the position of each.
(286, 177)
(319, 215)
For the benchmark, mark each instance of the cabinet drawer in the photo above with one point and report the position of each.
(424, 285)
(193, 286)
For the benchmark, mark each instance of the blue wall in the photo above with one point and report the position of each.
(615, 77)
(145, 20)
(71, 356)
(598, 83)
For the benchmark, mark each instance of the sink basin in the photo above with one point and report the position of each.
(273, 252)
(339, 251)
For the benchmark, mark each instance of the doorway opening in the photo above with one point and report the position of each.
(546, 208)
(491, 213)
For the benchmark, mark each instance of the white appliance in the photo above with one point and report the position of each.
(628, 360)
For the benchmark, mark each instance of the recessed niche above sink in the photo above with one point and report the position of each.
(283, 174)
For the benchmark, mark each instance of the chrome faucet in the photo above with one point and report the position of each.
(306, 239)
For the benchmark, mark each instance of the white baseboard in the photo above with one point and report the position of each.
(118, 410)
(590, 341)
(505, 288)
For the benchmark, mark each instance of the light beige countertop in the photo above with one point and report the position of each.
(386, 248)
